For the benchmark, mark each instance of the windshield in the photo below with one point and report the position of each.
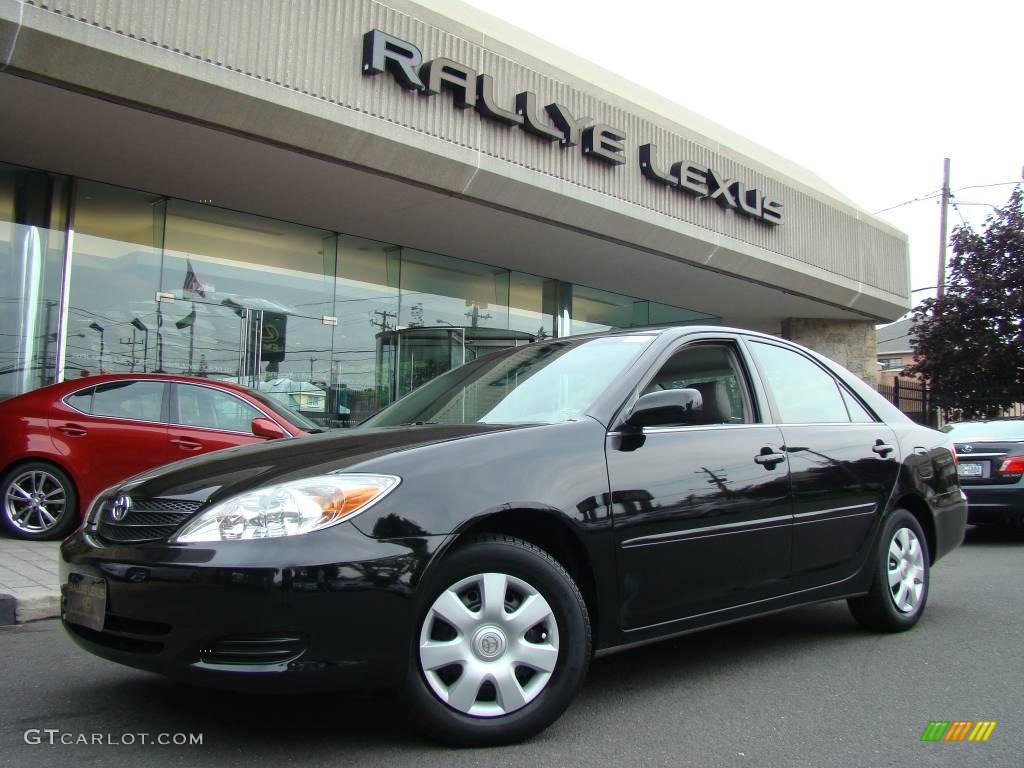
(537, 383)
(292, 417)
(986, 430)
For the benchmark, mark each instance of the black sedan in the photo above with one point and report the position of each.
(991, 467)
(477, 542)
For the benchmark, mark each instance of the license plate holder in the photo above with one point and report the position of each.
(971, 469)
(85, 601)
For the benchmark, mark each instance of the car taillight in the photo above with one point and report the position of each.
(1014, 465)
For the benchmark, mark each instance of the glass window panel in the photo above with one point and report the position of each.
(138, 400)
(440, 290)
(250, 294)
(32, 241)
(116, 213)
(117, 243)
(367, 310)
(857, 411)
(594, 310)
(213, 409)
(803, 392)
(532, 305)
(665, 314)
(713, 371)
(81, 400)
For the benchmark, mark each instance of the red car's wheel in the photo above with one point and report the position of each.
(39, 501)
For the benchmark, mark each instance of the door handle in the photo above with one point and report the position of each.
(185, 444)
(881, 448)
(72, 430)
(768, 458)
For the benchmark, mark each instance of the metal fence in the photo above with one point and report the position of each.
(992, 399)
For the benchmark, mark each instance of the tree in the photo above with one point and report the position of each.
(969, 344)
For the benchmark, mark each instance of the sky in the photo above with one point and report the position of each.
(870, 96)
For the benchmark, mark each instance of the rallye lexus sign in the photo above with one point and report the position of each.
(471, 90)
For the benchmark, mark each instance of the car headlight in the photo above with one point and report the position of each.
(288, 509)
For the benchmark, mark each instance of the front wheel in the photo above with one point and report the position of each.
(502, 644)
(899, 589)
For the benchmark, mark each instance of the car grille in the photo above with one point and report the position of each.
(147, 520)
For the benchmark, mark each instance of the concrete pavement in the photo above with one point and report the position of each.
(28, 580)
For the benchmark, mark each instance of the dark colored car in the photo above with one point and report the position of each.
(991, 455)
(477, 542)
(64, 444)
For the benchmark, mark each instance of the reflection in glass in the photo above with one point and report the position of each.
(594, 310)
(250, 297)
(33, 216)
(115, 274)
(367, 308)
(440, 290)
(31, 261)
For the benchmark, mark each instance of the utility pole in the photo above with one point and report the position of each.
(943, 221)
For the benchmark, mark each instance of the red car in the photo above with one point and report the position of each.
(62, 445)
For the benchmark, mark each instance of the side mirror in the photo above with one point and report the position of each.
(672, 406)
(266, 428)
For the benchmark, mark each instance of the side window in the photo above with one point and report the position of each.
(81, 400)
(803, 392)
(211, 408)
(138, 400)
(712, 370)
(857, 412)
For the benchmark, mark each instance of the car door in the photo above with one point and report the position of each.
(701, 510)
(111, 431)
(204, 418)
(843, 463)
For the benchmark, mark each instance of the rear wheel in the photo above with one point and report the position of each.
(899, 589)
(39, 502)
(502, 644)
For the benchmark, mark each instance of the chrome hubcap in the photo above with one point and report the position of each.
(489, 645)
(35, 501)
(906, 570)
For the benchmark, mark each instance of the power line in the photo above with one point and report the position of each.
(929, 196)
(938, 193)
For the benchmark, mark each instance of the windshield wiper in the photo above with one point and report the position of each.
(417, 423)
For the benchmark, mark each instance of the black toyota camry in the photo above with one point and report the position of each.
(476, 543)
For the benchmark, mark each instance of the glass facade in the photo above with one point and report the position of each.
(327, 324)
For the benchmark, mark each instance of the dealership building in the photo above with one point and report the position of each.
(336, 200)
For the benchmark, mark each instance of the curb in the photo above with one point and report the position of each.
(32, 606)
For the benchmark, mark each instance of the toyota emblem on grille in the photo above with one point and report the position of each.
(967, 448)
(120, 509)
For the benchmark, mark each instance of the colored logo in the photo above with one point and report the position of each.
(959, 730)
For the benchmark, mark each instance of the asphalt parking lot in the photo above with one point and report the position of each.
(803, 688)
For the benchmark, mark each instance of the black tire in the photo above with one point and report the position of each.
(522, 563)
(52, 481)
(879, 610)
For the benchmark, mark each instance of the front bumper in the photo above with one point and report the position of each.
(995, 503)
(326, 610)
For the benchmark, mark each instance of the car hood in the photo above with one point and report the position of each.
(221, 474)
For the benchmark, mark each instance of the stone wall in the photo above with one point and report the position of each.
(851, 343)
